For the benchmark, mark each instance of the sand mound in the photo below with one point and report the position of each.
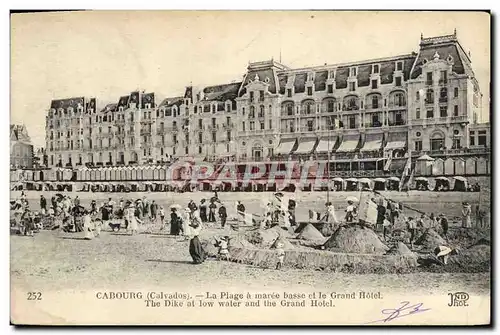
(354, 239)
(327, 229)
(472, 257)
(310, 233)
(399, 249)
(239, 242)
(265, 238)
(482, 241)
(287, 245)
(430, 239)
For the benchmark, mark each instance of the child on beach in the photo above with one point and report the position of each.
(223, 248)
(281, 255)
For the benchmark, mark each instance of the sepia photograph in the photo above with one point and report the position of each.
(250, 168)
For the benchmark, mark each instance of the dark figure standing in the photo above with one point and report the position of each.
(203, 211)
(211, 211)
(222, 215)
(43, 203)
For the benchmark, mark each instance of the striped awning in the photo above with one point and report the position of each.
(306, 145)
(349, 143)
(286, 146)
(325, 144)
(373, 142)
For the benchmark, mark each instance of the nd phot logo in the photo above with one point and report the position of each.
(458, 299)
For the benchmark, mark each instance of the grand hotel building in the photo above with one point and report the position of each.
(424, 102)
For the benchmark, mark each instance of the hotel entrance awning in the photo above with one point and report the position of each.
(286, 146)
(349, 143)
(306, 145)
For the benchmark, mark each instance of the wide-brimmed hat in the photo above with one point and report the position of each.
(465, 203)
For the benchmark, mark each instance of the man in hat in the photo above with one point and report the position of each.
(222, 215)
(240, 209)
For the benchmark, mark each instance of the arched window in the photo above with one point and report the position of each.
(308, 107)
(351, 103)
(287, 108)
(429, 96)
(399, 99)
(261, 113)
(375, 101)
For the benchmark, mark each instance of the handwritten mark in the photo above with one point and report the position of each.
(401, 311)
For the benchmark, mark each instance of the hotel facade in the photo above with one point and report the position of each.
(377, 113)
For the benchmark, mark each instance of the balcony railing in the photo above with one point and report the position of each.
(397, 105)
(429, 101)
(443, 99)
(350, 107)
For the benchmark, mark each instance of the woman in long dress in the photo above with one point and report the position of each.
(88, 226)
(132, 219)
(466, 212)
(195, 248)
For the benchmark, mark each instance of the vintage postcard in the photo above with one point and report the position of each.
(250, 168)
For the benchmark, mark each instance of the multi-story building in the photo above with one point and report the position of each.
(375, 112)
(21, 148)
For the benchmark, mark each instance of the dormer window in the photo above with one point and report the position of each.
(120, 108)
(352, 72)
(309, 90)
(251, 96)
(399, 66)
(310, 76)
(331, 74)
(374, 84)
(375, 69)
(148, 106)
(289, 92)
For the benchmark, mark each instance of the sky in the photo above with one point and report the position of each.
(107, 54)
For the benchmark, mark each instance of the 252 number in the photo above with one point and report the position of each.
(34, 296)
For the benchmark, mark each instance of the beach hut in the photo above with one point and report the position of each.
(156, 172)
(460, 184)
(423, 165)
(148, 172)
(379, 184)
(438, 167)
(470, 166)
(459, 166)
(133, 175)
(449, 166)
(481, 166)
